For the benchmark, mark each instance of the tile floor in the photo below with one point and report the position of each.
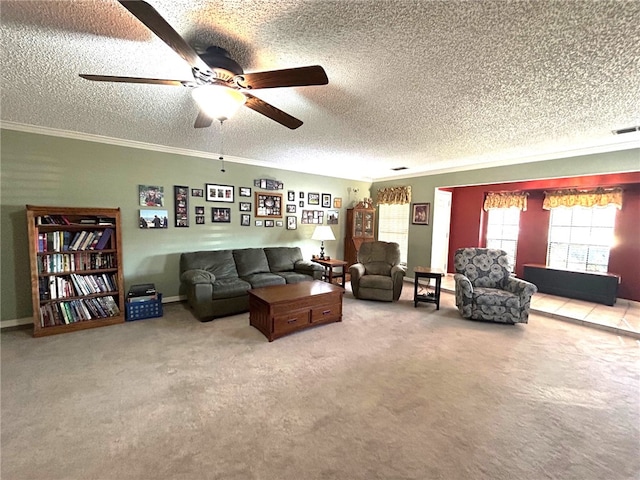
(622, 318)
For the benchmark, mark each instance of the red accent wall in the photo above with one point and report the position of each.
(468, 225)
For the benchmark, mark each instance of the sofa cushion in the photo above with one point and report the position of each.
(377, 281)
(294, 277)
(282, 259)
(218, 262)
(258, 280)
(250, 261)
(229, 288)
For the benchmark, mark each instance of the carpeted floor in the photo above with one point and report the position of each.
(392, 392)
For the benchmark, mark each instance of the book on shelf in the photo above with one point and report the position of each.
(104, 238)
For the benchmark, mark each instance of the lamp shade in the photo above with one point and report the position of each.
(323, 232)
(218, 101)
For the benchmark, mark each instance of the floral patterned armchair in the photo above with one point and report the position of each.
(485, 289)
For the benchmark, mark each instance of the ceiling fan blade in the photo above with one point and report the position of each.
(153, 81)
(158, 25)
(203, 120)
(290, 77)
(260, 106)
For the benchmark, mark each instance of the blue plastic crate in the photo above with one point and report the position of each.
(145, 309)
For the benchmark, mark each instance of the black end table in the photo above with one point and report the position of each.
(430, 297)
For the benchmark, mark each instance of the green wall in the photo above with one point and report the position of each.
(423, 188)
(47, 170)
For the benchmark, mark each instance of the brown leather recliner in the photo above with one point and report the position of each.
(378, 274)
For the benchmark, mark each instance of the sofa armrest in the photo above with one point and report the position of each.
(309, 268)
(195, 277)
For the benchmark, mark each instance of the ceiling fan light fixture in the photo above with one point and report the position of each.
(218, 101)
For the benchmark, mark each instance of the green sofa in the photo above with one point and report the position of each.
(216, 281)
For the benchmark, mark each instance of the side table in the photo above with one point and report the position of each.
(430, 297)
(329, 265)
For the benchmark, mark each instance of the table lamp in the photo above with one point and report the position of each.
(322, 233)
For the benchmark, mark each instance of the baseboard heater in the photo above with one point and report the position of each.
(591, 286)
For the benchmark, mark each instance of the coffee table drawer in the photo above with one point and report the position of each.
(326, 313)
(287, 322)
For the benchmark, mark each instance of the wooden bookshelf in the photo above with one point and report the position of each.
(76, 268)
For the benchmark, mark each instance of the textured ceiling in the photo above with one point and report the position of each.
(428, 85)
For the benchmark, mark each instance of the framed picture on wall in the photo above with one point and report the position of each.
(220, 215)
(245, 191)
(181, 199)
(151, 195)
(313, 199)
(268, 204)
(197, 192)
(420, 213)
(219, 193)
(326, 200)
(245, 219)
(292, 223)
(153, 219)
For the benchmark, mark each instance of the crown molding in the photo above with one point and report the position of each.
(89, 137)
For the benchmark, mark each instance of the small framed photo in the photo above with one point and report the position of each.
(245, 219)
(313, 199)
(326, 200)
(420, 213)
(154, 219)
(301, 203)
(199, 210)
(219, 193)
(301, 195)
(337, 202)
(220, 215)
(279, 223)
(258, 223)
(181, 199)
(244, 191)
(199, 219)
(291, 196)
(292, 223)
(245, 206)
(197, 192)
(332, 217)
(268, 223)
(151, 195)
(291, 208)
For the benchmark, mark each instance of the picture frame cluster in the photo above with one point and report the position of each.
(268, 207)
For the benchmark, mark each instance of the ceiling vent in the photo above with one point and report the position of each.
(627, 130)
(397, 169)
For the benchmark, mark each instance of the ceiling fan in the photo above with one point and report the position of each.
(218, 80)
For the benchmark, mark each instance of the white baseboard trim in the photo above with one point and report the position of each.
(18, 322)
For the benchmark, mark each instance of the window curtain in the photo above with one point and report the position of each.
(600, 197)
(394, 196)
(506, 200)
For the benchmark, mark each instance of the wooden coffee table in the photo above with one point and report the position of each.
(282, 309)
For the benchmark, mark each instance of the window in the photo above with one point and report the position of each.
(393, 226)
(580, 238)
(503, 225)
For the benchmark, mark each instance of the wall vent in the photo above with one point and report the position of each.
(627, 130)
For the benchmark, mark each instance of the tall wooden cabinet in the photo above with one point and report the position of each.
(76, 268)
(360, 228)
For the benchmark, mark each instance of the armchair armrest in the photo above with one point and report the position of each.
(356, 271)
(522, 288)
(195, 277)
(397, 277)
(464, 294)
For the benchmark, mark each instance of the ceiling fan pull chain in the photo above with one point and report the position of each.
(221, 158)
